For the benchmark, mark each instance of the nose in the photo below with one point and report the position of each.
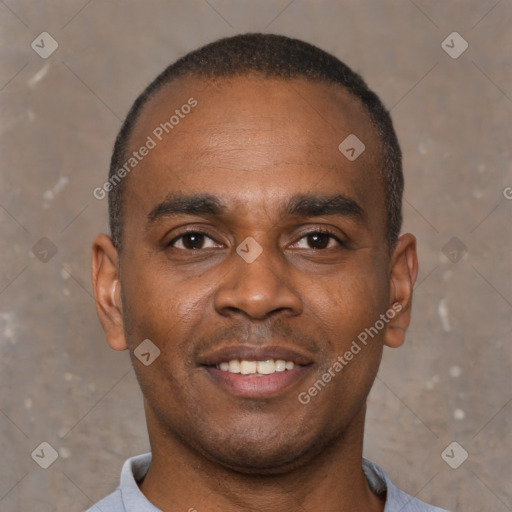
(258, 289)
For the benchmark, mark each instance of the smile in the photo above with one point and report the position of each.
(256, 368)
(252, 371)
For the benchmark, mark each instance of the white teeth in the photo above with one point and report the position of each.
(247, 367)
(233, 366)
(267, 367)
(280, 365)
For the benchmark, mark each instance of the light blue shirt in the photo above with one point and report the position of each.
(128, 497)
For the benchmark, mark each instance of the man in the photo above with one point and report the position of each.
(255, 271)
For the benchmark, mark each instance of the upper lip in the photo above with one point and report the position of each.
(253, 353)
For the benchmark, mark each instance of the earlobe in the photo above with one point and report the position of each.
(107, 293)
(404, 270)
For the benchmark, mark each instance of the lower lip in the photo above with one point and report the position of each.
(253, 386)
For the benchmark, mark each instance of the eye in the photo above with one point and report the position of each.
(321, 239)
(194, 240)
(191, 240)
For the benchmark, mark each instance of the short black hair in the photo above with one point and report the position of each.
(273, 56)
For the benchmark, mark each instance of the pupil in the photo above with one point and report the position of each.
(189, 237)
(314, 240)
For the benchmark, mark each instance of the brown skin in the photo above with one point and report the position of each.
(255, 143)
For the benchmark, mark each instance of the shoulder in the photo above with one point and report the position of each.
(396, 499)
(128, 497)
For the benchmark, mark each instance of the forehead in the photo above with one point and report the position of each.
(254, 139)
(318, 112)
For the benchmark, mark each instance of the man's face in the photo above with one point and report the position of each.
(255, 145)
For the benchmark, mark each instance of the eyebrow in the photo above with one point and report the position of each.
(302, 205)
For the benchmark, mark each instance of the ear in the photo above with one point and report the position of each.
(107, 290)
(404, 270)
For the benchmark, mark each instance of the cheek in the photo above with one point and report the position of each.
(357, 299)
(352, 300)
(160, 311)
(155, 294)
(162, 306)
(348, 311)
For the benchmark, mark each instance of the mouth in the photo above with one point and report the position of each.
(255, 372)
(256, 368)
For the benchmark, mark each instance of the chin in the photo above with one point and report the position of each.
(250, 462)
(265, 455)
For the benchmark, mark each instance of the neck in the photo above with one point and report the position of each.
(179, 478)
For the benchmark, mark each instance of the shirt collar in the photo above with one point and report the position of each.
(135, 468)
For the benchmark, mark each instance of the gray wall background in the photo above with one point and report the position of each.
(451, 382)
